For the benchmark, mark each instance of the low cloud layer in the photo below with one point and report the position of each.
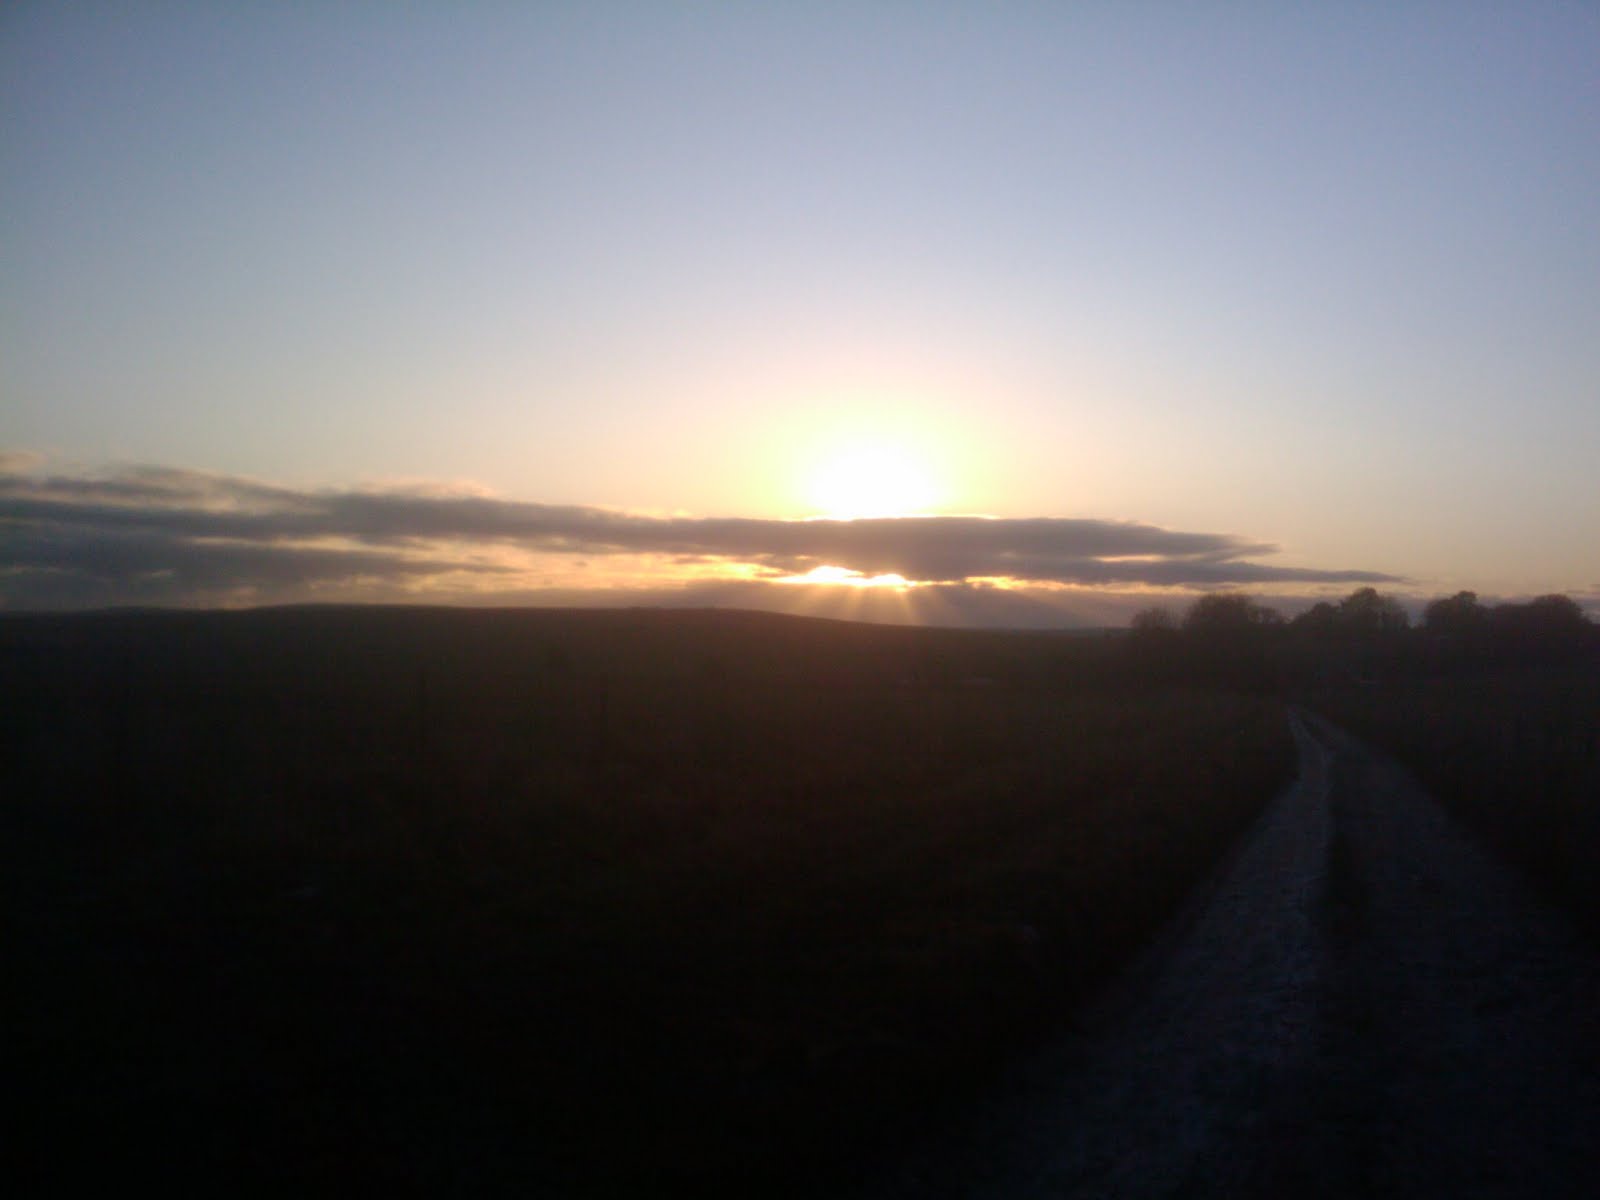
(178, 536)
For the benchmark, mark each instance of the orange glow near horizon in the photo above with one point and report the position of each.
(843, 576)
(847, 595)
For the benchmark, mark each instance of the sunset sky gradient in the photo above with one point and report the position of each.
(596, 303)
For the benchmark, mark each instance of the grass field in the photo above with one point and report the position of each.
(579, 900)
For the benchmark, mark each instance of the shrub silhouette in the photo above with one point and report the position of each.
(1229, 613)
(1320, 620)
(1456, 616)
(1546, 623)
(1366, 612)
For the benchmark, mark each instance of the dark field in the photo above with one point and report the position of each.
(572, 902)
(1513, 752)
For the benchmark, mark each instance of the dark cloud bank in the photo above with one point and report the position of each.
(175, 536)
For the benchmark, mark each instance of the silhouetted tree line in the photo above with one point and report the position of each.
(1232, 639)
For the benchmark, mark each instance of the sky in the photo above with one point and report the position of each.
(1012, 313)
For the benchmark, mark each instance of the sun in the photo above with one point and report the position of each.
(872, 480)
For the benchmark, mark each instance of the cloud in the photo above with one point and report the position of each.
(17, 461)
(194, 536)
(209, 565)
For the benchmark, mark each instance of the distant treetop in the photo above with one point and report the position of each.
(1222, 612)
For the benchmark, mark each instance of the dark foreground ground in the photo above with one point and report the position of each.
(567, 904)
(616, 904)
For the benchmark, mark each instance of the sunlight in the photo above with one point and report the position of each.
(872, 480)
(848, 578)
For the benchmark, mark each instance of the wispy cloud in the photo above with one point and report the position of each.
(174, 535)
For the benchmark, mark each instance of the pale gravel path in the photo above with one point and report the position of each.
(1361, 1004)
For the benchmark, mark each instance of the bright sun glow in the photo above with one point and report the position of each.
(845, 577)
(872, 481)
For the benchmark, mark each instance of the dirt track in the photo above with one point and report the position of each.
(1362, 1003)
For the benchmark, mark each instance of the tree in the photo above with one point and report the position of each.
(1365, 611)
(1228, 612)
(1457, 615)
(1547, 622)
(1558, 614)
(1228, 642)
(1320, 619)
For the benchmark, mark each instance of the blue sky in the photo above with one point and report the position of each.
(1325, 282)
